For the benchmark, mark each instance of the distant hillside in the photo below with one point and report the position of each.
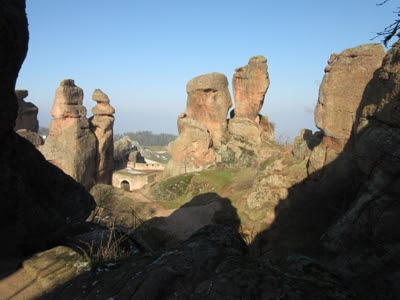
(147, 138)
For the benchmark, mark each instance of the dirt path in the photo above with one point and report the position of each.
(160, 211)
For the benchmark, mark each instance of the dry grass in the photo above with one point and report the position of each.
(109, 250)
(247, 234)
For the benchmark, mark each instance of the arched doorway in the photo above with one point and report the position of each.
(125, 185)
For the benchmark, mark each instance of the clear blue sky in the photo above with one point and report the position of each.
(143, 53)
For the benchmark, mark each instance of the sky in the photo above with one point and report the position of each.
(143, 53)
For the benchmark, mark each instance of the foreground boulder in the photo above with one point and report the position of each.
(38, 200)
(211, 264)
(102, 126)
(71, 145)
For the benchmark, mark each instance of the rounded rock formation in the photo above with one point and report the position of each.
(209, 101)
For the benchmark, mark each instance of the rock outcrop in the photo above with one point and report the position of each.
(38, 200)
(31, 136)
(27, 113)
(208, 102)
(250, 83)
(203, 126)
(71, 145)
(192, 150)
(211, 264)
(102, 126)
(122, 150)
(340, 95)
(206, 137)
(342, 89)
(366, 238)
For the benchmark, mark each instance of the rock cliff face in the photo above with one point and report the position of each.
(27, 113)
(340, 95)
(71, 145)
(102, 126)
(37, 198)
(357, 165)
(366, 238)
(342, 88)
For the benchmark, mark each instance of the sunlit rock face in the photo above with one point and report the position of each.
(102, 126)
(27, 113)
(341, 92)
(250, 83)
(206, 137)
(342, 89)
(208, 102)
(192, 150)
(71, 145)
(203, 126)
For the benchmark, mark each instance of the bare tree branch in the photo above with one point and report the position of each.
(391, 30)
(382, 2)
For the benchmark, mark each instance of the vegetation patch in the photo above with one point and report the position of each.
(216, 178)
(172, 188)
(265, 164)
(111, 249)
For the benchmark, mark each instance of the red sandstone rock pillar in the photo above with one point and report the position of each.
(102, 126)
(71, 145)
(209, 101)
(250, 83)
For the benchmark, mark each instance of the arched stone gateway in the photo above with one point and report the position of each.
(125, 185)
(133, 179)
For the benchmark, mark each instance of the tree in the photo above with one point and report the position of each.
(391, 30)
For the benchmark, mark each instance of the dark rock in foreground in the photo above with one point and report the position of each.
(37, 199)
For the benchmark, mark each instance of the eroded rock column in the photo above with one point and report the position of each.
(203, 126)
(71, 145)
(250, 84)
(102, 126)
(208, 102)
